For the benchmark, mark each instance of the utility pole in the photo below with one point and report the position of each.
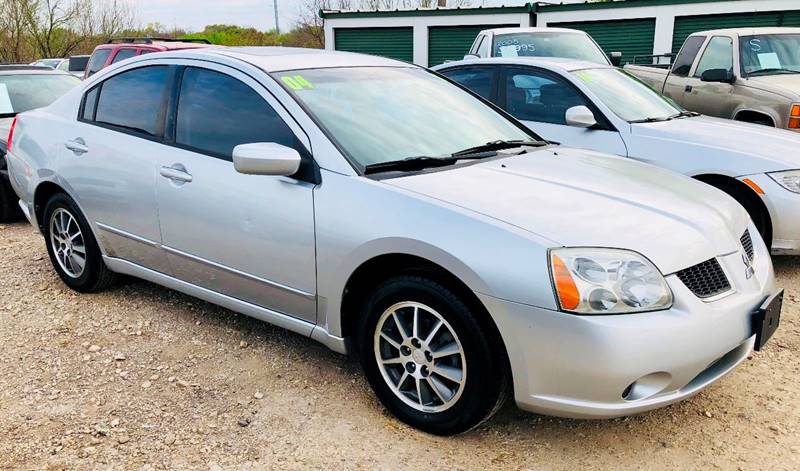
(277, 25)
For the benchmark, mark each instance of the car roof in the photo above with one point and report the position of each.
(29, 70)
(156, 44)
(277, 58)
(552, 63)
(748, 31)
(531, 30)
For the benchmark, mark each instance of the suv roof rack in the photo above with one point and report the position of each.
(151, 40)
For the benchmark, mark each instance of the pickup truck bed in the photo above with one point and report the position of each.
(653, 76)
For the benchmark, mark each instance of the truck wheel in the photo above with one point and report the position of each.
(428, 358)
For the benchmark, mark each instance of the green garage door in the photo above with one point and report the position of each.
(395, 43)
(631, 37)
(686, 25)
(450, 43)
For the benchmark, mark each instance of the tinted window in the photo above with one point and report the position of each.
(718, 55)
(533, 96)
(479, 80)
(25, 92)
(124, 54)
(217, 113)
(98, 60)
(132, 100)
(683, 63)
(90, 103)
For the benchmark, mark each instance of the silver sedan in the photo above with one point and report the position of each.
(375, 207)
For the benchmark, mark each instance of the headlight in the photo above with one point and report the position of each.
(789, 179)
(607, 281)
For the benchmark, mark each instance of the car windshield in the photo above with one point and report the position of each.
(569, 45)
(52, 63)
(25, 92)
(628, 97)
(384, 114)
(770, 54)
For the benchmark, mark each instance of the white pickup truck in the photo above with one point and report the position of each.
(540, 42)
(746, 74)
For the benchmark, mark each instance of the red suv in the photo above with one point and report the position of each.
(124, 48)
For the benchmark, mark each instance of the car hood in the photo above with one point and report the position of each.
(784, 84)
(755, 148)
(580, 198)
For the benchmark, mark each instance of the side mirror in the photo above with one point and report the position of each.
(266, 158)
(580, 117)
(471, 56)
(717, 75)
(615, 58)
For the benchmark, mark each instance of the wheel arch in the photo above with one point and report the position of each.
(41, 195)
(751, 116)
(723, 181)
(371, 273)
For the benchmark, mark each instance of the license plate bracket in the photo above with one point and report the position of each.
(766, 319)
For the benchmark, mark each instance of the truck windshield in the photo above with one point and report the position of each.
(628, 97)
(770, 54)
(569, 45)
(383, 114)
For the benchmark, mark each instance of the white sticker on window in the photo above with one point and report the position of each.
(5, 100)
(769, 60)
(508, 51)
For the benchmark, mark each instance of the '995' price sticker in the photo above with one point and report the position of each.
(298, 82)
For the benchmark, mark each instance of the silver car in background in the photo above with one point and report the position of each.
(602, 108)
(377, 208)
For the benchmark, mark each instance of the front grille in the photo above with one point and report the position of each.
(705, 279)
(747, 243)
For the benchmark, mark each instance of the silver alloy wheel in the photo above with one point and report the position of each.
(68, 243)
(420, 357)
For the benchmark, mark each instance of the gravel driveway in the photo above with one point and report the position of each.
(141, 377)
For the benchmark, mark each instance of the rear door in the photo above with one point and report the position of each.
(540, 99)
(110, 157)
(246, 236)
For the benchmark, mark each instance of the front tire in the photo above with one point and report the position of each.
(429, 358)
(72, 248)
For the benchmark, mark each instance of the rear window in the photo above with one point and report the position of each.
(25, 92)
(132, 100)
(98, 60)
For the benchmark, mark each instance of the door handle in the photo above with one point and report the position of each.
(688, 89)
(176, 173)
(77, 145)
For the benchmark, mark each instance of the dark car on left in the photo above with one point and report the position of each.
(23, 88)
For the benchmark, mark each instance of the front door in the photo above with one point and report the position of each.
(541, 99)
(245, 236)
(711, 98)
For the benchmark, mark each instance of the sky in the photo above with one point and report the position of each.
(196, 14)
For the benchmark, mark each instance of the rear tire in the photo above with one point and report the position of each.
(445, 376)
(72, 248)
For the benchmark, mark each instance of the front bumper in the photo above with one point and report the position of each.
(582, 366)
(784, 212)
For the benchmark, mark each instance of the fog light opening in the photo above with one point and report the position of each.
(647, 386)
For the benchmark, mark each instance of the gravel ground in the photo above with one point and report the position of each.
(141, 377)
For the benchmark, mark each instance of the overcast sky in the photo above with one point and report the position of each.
(195, 14)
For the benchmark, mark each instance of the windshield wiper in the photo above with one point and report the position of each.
(650, 120)
(491, 147)
(410, 164)
(685, 114)
(772, 70)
